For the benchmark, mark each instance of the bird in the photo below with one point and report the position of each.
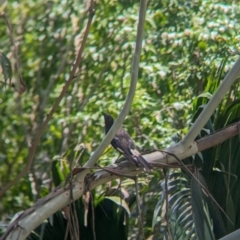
(123, 143)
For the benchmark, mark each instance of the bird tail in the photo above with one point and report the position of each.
(139, 159)
(143, 162)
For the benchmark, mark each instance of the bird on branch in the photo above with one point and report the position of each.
(123, 143)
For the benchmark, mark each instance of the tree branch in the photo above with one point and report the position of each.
(55, 106)
(57, 199)
(134, 77)
(207, 112)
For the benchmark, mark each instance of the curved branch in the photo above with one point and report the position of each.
(128, 102)
(57, 199)
(207, 112)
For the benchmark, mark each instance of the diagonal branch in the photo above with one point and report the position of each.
(128, 102)
(55, 106)
(59, 198)
(207, 112)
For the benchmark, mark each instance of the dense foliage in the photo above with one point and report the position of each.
(185, 44)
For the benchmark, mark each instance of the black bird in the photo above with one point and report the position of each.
(123, 143)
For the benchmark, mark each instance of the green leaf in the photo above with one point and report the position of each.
(121, 202)
(6, 67)
(200, 211)
(57, 173)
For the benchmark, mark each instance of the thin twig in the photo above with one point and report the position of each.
(55, 106)
(73, 212)
(21, 87)
(166, 213)
(204, 189)
(140, 222)
(93, 217)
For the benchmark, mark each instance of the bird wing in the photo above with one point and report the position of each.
(125, 145)
(122, 146)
